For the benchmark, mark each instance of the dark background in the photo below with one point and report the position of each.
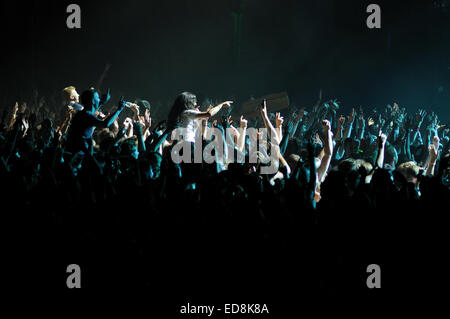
(159, 48)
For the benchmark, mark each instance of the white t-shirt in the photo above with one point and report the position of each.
(189, 122)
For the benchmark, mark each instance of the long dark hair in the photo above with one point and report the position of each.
(184, 101)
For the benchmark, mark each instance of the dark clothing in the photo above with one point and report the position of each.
(80, 133)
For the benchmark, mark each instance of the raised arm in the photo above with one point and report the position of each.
(381, 145)
(361, 126)
(110, 120)
(350, 119)
(241, 140)
(420, 116)
(340, 124)
(297, 121)
(139, 132)
(213, 111)
(328, 151)
(434, 153)
(271, 130)
(279, 124)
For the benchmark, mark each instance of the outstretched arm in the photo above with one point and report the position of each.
(110, 120)
(213, 111)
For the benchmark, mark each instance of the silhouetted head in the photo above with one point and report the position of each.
(348, 165)
(154, 160)
(143, 105)
(129, 148)
(90, 99)
(390, 156)
(409, 170)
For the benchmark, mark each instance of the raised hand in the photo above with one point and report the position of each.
(243, 122)
(106, 97)
(128, 123)
(264, 108)
(226, 104)
(317, 140)
(229, 120)
(341, 121)
(434, 122)
(434, 152)
(326, 126)
(334, 105)
(278, 120)
(134, 108)
(436, 141)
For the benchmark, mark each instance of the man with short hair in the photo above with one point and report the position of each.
(71, 99)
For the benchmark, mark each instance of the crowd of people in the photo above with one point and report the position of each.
(97, 185)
